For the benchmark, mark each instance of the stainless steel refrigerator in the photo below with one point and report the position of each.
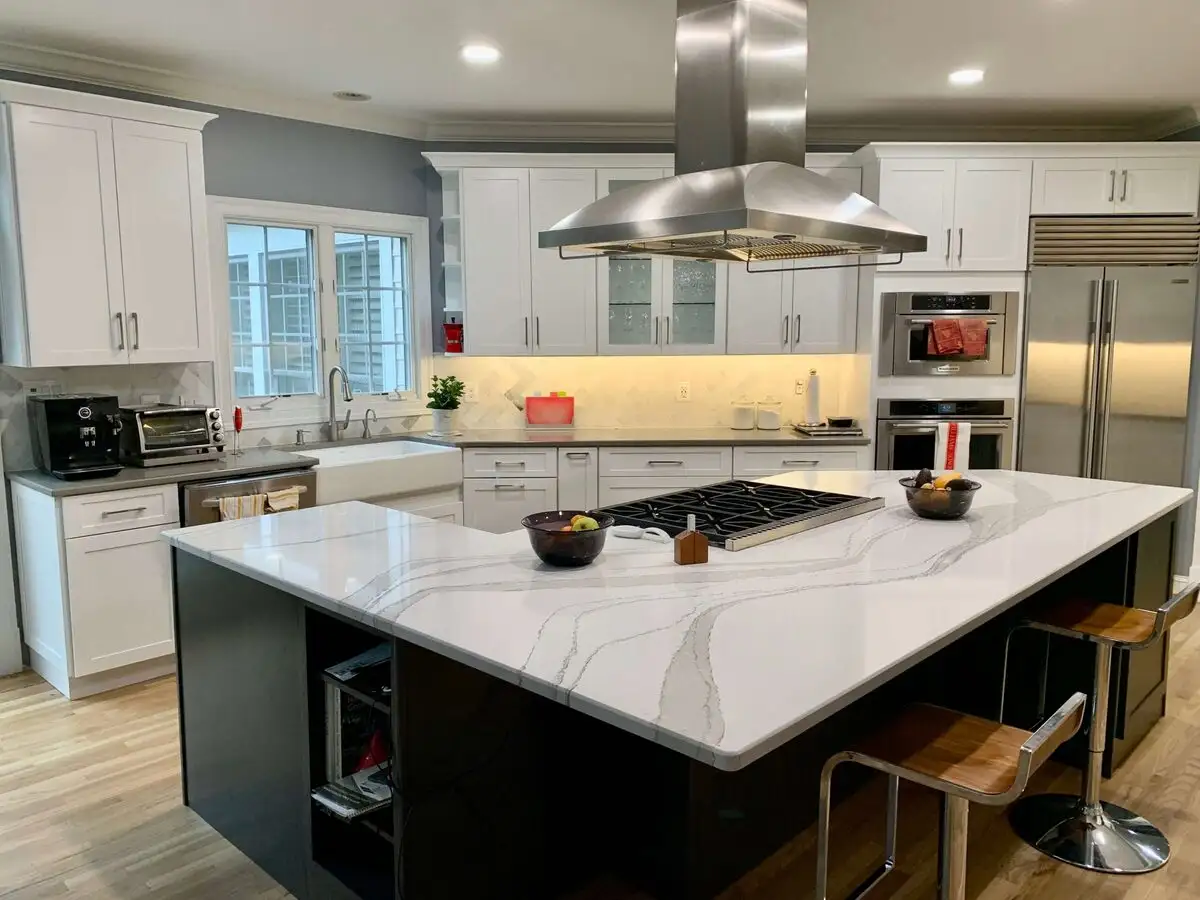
(1108, 362)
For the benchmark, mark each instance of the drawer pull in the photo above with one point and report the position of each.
(577, 455)
(508, 487)
(120, 512)
(665, 462)
(520, 464)
(801, 462)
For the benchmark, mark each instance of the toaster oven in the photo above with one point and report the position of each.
(161, 434)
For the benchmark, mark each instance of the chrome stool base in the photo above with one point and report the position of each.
(1103, 838)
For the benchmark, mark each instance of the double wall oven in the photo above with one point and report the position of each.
(948, 334)
(906, 432)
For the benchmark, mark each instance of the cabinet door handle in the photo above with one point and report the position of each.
(787, 330)
(949, 244)
(120, 512)
(578, 456)
(527, 331)
(1124, 184)
(135, 331)
(508, 487)
(1112, 185)
(665, 462)
(500, 464)
(657, 319)
(667, 329)
(121, 331)
(537, 330)
(960, 244)
(801, 462)
(796, 339)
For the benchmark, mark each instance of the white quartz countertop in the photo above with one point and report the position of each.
(723, 662)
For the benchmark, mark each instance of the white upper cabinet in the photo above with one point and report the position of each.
(1074, 186)
(495, 228)
(160, 201)
(66, 243)
(103, 254)
(1108, 185)
(564, 290)
(974, 212)
(991, 214)
(1158, 186)
(760, 310)
(920, 193)
(629, 290)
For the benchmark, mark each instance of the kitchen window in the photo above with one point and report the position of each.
(311, 287)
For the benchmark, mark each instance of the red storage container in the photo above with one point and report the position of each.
(544, 411)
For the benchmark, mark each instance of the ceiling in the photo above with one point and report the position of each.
(601, 69)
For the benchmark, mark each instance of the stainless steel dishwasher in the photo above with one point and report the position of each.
(200, 501)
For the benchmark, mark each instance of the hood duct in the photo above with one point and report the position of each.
(741, 192)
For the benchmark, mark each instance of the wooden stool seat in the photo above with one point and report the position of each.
(1102, 621)
(967, 752)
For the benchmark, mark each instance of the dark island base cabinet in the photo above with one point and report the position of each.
(504, 794)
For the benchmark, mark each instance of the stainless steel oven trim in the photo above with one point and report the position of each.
(1001, 426)
(897, 315)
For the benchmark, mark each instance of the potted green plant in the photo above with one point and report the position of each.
(445, 395)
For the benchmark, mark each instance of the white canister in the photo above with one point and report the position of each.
(743, 415)
(770, 415)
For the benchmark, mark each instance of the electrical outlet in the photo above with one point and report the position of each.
(42, 388)
(684, 394)
(470, 394)
(799, 386)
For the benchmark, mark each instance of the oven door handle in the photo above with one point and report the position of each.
(912, 429)
(931, 427)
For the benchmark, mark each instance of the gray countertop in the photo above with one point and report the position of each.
(615, 437)
(250, 462)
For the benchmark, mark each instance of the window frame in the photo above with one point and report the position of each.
(310, 409)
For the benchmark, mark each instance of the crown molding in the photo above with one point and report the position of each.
(87, 70)
(518, 131)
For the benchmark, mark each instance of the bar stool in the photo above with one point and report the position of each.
(968, 760)
(1084, 830)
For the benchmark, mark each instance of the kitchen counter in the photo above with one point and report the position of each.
(616, 437)
(723, 662)
(248, 463)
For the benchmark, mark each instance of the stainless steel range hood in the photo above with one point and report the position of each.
(741, 192)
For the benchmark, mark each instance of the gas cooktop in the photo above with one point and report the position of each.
(735, 515)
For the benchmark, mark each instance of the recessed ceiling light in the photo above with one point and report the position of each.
(964, 77)
(480, 54)
(352, 96)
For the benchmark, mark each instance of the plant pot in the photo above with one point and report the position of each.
(443, 420)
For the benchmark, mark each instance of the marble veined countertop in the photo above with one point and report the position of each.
(723, 662)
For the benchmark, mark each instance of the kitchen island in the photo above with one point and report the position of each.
(664, 722)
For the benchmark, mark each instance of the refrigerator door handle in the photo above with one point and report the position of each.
(1106, 378)
(1099, 294)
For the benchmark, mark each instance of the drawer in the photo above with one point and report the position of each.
(120, 510)
(667, 462)
(499, 504)
(615, 491)
(757, 462)
(515, 462)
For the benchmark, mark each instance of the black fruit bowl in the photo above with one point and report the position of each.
(566, 549)
(939, 504)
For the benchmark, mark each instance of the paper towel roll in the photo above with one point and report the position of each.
(812, 399)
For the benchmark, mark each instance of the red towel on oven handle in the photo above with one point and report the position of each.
(947, 336)
(975, 338)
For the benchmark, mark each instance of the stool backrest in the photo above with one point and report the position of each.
(1055, 731)
(1178, 607)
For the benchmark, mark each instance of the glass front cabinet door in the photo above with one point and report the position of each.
(654, 305)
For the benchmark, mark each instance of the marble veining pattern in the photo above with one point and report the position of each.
(722, 662)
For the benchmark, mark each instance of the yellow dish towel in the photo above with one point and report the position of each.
(243, 507)
(280, 501)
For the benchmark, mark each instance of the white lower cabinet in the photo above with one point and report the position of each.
(762, 462)
(96, 593)
(441, 506)
(616, 490)
(499, 504)
(120, 590)
(578, 473)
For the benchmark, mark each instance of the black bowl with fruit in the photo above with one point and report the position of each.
(567, 538)
(947, 496)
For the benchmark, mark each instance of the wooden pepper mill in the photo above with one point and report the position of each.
(691, 547)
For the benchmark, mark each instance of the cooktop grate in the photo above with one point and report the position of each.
(735, 515)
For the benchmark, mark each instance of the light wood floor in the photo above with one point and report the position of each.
(90, 809)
